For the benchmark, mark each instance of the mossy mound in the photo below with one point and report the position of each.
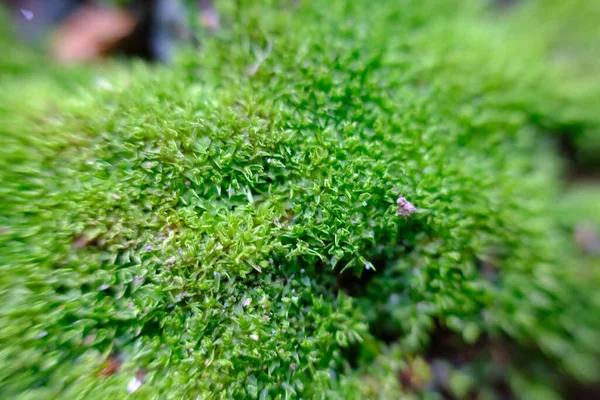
(228, 227)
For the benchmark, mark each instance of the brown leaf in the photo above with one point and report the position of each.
(111, 366)
(90, 32)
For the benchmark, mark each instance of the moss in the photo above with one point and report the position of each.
(229, 227)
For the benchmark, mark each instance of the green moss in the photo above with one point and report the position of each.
(230, 226)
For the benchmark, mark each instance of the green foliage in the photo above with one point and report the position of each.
(229, 225)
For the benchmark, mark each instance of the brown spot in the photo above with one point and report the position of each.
(288, 217)
(111, 366)
(409, 380)
(90, 33)
(141, 374)
(85, 239)
(80, 241)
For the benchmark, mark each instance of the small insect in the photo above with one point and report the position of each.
(405, 208)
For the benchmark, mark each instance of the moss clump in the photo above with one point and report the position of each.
(229, 227)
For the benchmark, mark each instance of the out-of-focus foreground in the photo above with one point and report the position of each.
(341, 199)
